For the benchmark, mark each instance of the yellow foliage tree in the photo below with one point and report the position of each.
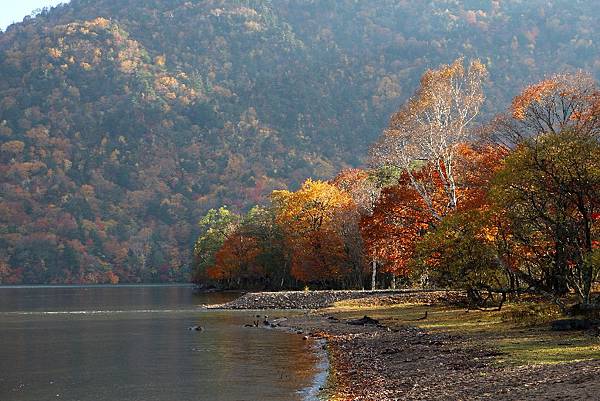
(309, 219)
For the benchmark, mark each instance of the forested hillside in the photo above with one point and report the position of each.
(123, 121)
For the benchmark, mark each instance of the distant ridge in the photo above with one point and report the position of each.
(123, 121)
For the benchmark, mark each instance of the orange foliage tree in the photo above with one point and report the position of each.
(559, 103)
(402, 217)
(310, 220)
(236, 260)
(391, 231)
(464, 249)
(547, 192)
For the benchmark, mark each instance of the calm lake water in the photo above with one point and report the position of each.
(133, 343)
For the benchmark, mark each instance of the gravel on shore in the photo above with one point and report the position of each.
(322, 299)
(376, 363)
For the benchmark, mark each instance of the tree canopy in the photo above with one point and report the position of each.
(123, 122)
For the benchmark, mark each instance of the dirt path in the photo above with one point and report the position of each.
(408, 363)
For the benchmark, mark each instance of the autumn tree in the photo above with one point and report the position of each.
(462, 250)
(549, 191)
(399, 218)
(309, 219)
(215, 226)
(462, 253)
(402, 219)
(235, 262)
(272, 255)
(559, 103)
(429, 127)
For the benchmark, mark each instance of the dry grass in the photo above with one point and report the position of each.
(520, 331)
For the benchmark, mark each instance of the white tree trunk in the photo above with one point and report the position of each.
(374, 276)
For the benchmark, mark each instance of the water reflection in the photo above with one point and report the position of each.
(134, 355)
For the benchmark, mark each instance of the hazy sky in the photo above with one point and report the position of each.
(14, 11)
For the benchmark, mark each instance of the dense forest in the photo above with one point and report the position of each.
(498, 210)
(123, 122)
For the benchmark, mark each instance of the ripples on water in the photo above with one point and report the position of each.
(133, 343)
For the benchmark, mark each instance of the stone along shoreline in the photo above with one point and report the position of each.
(322, 299)
(382, 360)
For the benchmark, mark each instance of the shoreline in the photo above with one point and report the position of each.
(310, 300)
(397, 359)
(408, 363)
(315, 390)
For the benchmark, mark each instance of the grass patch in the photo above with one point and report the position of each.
(546, 349)
(520, 331)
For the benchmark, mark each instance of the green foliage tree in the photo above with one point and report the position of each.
(260, 224)
(549, 191)
(461, 253)
(215, 227)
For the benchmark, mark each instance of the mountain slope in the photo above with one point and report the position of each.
(123, 121)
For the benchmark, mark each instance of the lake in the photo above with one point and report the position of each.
(102, 343)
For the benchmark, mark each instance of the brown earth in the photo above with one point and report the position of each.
(396, 360)
(408, 363)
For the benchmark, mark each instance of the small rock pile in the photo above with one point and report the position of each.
(322, 299)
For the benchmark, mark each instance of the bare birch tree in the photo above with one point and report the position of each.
(428, 128)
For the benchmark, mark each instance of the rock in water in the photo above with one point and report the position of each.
(196, 328)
